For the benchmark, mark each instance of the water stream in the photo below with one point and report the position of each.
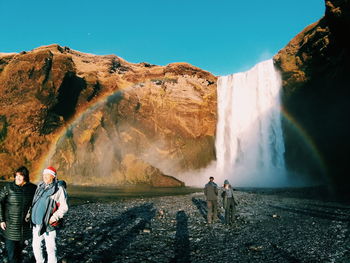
(249, 139)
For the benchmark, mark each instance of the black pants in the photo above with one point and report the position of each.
(230, 210)
(14, 250)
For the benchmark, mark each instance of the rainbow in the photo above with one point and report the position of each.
(307, 139)
(46, 159)
(293, 123)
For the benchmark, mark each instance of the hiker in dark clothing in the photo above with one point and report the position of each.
(229, 202)
(211, 193)
(15, 200)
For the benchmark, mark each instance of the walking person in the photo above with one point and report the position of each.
(48, 208)
(15, 200)
(211, 194)
(229, 203)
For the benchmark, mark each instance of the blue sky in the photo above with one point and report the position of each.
(222, 36)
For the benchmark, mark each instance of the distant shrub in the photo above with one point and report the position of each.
(3, 127)
(164, 80)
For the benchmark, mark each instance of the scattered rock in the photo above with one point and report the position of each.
(134, 230)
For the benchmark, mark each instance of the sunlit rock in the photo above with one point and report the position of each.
(166, 117)
(315, 67)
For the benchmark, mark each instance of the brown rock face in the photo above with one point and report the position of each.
(115, 122)
(315, 67)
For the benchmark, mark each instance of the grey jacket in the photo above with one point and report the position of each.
(225, 193)
(57, 206)
(211, 191)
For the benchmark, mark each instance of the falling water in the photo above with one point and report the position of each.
(249, 141)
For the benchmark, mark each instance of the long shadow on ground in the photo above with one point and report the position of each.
(314, 213)
(103, 243)
(182, 242)
(203, 209)
(201, 205)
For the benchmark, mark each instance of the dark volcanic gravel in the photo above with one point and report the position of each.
(270, 227)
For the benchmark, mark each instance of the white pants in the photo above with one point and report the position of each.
(50, 242)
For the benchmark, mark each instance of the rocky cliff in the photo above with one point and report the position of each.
(102, 120)
(315, 68)
(53, 93)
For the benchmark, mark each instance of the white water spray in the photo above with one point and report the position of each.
(249, 142)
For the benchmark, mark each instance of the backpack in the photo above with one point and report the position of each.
(58, 223)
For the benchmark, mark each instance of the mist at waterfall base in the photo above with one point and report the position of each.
(249, 138)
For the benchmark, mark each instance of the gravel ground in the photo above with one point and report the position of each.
(270, 227)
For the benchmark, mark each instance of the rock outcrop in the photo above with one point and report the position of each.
(315, 68)
(54, 93)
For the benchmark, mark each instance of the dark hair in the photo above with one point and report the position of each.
(211, 177)
(24, 172)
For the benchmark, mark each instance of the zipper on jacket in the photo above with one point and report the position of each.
(22, 223)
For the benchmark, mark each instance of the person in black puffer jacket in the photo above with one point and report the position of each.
(15, 200)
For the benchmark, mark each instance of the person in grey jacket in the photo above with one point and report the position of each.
(211, 194)
(229, 202)
(49, 206)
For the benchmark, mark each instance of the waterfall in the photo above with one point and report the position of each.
(249, 140)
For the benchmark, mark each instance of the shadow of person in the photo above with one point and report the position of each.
(182, 242)
(104, 242)
(203, 209)
(201, 205)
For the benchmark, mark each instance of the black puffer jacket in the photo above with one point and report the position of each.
(15, 201)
